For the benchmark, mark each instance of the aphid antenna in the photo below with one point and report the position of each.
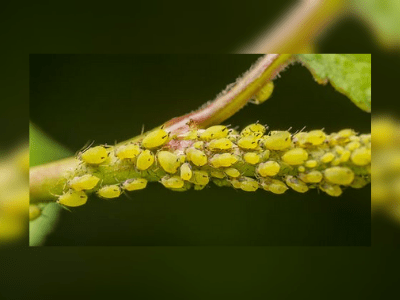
(85, 147)
(126, 194)
(66, 208)
(141, 133)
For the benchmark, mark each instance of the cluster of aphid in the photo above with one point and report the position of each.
(248, 160)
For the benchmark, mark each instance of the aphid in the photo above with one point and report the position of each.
(336, 161)
(85, 182)
(252, 158)
(296, 184)
(339, 149)
(233, 135)
(315, 137)
(145, 160)
(168, 161)
(95, 155)
(182, 158)
(223, 160)
(200, 177)
(217, 174)
(359, 182)
(312, 177)
(134, 184)
(296, 156)
(278, 140)
(345, 134)
(232, 172)
(34, 212)
(265, 155)
(197, 157)
(248, 142)
(199, 145)
(275, 186)
(128, 151)
(248, 184)
(301, 169)
(198, 187)
(236, 183)
(220, 144)
(300, 139)
(345, 156)
(214, 132)
(361, 156)
(327, 157)
(72, 198)
(186, 171)
(172, 182)
(155, 139)
(255, 129)
(265, 93)
(269, 168)
(353, 146)
(311, 163)
(339, 175)
(109, 191)
(331, 189)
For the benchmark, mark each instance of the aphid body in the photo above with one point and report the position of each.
(145, 160)
(109, 191)
(72, 198)
(85, 182)
(155, 139)
(95, 155)
(134, 184)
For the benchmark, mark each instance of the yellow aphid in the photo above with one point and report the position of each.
(155, 139)
(233, 135)
(339, 175)
(300, 138)
(336, 162)
(248, 142)
(134, 184)
(255, 129)
(361, 156)
(353, 146)
(248, 184)
(172, 182)
(232, 172)
(223, 160)
(327, 157)
(197, 157)
(265, 93)
(296, 184)
(199, 145)
(315, 137)
(278, 140)
(190, 135)
(275, 186)
(198, 187)
(251, 158)
(168, 161)
(359, 182)
(109, 191)
(366, 139)
(265, 155)
(72, 198)
(220, 144)
(95, 155)
(331, 189)
(339, 150)
(269, 168)
(345, 133)
(217, 174)
(85, 182)
(311, 163)
(236, 183)
(296, 156)
(186, 171)
(301, 169)
(200, 177)
(128, 151)
(345, 156)
(312, 177)
(34, 212)
(145, 160)
(214, 132)
(182, 158)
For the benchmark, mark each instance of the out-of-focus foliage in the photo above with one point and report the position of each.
(350, 74)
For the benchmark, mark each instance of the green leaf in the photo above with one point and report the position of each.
(349, 74)
(43, 149)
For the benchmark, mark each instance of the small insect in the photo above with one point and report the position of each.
(217, 174)
(134, 184)
(345, 156)
(145, 160)
(359, 182)
(220, 144)
(214, 132)
(331, 189)
(327, 157)
(301, 169)
(255, 129)
(199, 145)
(315, 137)
(269, 168)
(236, 183)
(265, 155)
(296, 184)
(155, 138)
(109, 191)
(200, 177)
(232, 172)
(168, 161)
(265, 93)
(95, 155)
(85, 182)
(353, 146)
(312, 177)
(223, 160)
(72, 198)
(34, 212)
(361, 156)
(172, 182)
(296, 156)
(197, 157)
(186, 171)
(300, 139)
(338, 149)
(248, 142)
(339, 175)
(248, 184)
(128, 151)
(278, 140)
(311, 163)
(252, 158)
(274, 186)
(198, 187)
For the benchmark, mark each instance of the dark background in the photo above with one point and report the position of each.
(181, 272)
